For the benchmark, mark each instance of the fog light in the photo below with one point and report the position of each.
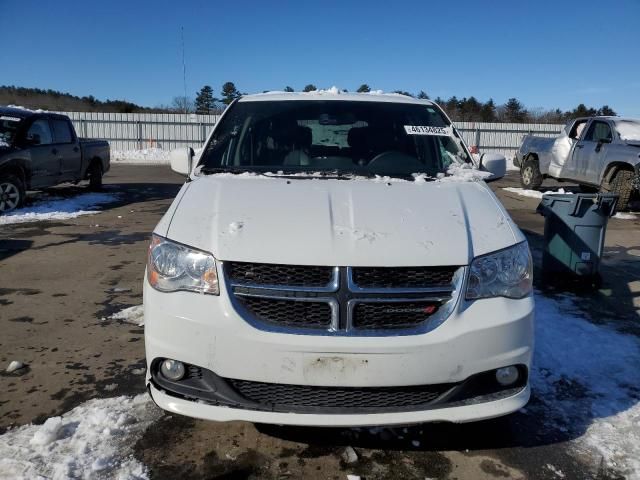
(172, 369)
(507, 376)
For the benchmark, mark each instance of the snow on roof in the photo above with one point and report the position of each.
(334, 93)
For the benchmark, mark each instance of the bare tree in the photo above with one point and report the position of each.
(183, 104)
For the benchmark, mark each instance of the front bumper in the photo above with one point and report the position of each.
(206, 331)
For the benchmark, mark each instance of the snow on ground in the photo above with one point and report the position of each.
(134, 315)
(93, 441)
(534, 193)
(142, 157)
(586, 377)
(625, 216)
(58, 208)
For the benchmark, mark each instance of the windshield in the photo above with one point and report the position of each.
(345, 137)
(629, 130)
(8, 129)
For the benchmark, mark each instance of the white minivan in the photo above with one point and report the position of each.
(336, 259)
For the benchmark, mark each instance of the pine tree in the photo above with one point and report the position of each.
(288, 89)
(310, 88)
(229, 93)
(423, 95)
(514, 111)
(205, 103)
(364, 88)
(606, 111)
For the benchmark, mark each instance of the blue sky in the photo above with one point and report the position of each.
(547, 54)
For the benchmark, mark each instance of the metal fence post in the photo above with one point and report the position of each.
(139, 134)
(478, 138)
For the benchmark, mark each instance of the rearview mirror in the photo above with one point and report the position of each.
(494, 163)
(181, 159)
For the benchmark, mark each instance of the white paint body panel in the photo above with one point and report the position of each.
(340, 222)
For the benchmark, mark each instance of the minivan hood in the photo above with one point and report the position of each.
(339, 222)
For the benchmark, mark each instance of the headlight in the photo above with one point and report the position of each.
(172, 267)
(506, 273)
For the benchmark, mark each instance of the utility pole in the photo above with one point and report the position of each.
(184, 71)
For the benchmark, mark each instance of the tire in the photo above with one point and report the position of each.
(95, 176)
(12, 193)
(620, 184)
(530, 176)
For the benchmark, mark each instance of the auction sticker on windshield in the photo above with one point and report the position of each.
(428, 130)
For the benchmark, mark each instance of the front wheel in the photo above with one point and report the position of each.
(621, 183)
(12, 193)
(95, 176)
(530, 176)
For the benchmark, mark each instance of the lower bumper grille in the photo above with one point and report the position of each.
(302, 396)
(203, 384)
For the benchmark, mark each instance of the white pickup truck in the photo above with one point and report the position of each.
(337, 260)
(598, 153)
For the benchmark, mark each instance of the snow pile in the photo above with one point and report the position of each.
(94, 440)
(587, 378)
(534, 193)
(134, 315)
(463, 172)
(143, 157)
(56, 208)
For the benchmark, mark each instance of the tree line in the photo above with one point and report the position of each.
(207, 102)
(459, 109)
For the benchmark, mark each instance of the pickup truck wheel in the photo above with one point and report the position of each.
(621, 184)
(95, 177)
(530, 176)
(12, 193)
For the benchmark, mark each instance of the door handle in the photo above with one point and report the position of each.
(54, 151)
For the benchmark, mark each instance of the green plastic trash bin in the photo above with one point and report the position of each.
(574, 230)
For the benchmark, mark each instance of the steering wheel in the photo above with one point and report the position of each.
(395, 161)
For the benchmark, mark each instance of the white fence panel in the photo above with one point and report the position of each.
(137, 131)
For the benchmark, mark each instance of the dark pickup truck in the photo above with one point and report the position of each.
(40, 150)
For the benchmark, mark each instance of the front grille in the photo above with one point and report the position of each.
(392, 315)
(289, 313)
(245, 273)
(403, 277)
(310, 300)
(303, 396)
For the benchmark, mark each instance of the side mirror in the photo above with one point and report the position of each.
(604, 140)
(181, 159)
(495, 164)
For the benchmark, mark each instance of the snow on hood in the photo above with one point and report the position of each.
(339, 222)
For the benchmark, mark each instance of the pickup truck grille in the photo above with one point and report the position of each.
(342, 300)
(304, 396)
